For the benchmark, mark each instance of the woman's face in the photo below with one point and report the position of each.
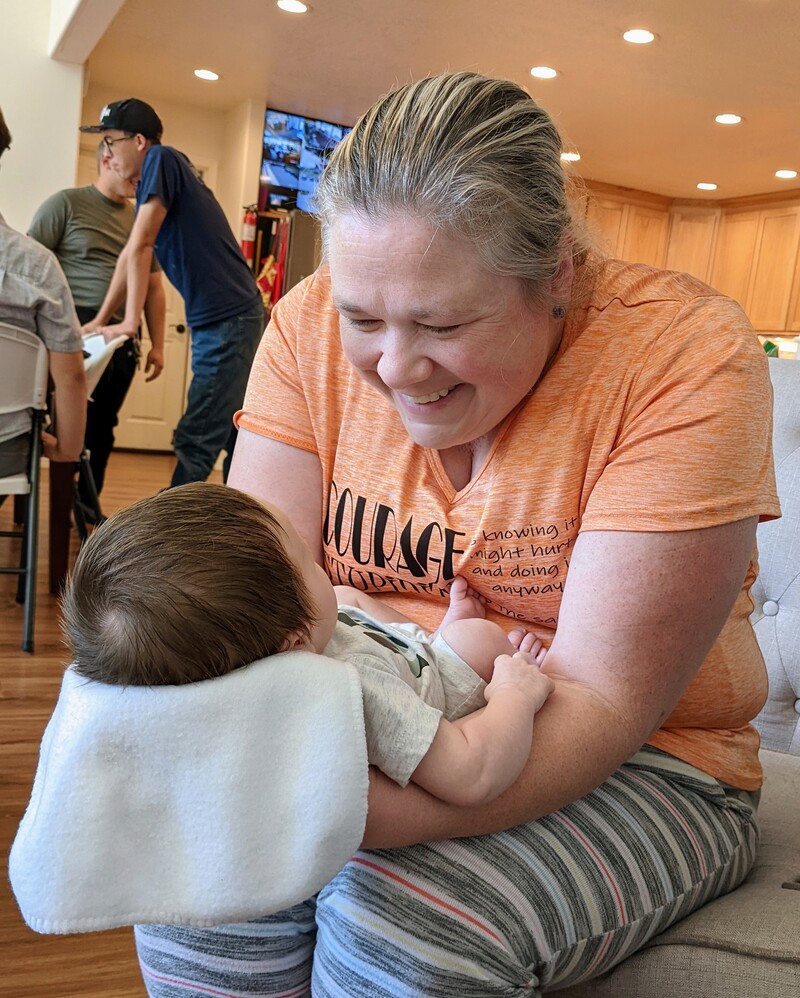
(452, 346)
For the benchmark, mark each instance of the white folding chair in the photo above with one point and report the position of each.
(97, 355)
(23, 385)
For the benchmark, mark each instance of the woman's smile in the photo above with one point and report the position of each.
(430, 398)
(418, 323)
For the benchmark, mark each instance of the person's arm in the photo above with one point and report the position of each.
(50, 222)
(115, 295)
(284, 475)
(639, 614)
(155, 309)
(71, 392)
(474, 759)
(132, 272)
(377, 609)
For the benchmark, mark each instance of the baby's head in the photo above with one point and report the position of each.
(190, 584)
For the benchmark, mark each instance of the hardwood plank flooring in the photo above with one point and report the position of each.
(90, 965)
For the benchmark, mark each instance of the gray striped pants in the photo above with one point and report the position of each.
(537, 907)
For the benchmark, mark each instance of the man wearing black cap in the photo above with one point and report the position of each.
(179, 218)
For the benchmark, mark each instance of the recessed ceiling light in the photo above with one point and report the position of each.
(639, 36)
(543, 72)
(206, 74)
(728, 119)
(570, 157)
(706, 187)
(786, 174)
(293, 6)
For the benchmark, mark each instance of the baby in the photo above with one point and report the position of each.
(202, 579)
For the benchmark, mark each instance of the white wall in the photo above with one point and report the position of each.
(43, 104)
(241, 161)
(196, 131)
(41, 101)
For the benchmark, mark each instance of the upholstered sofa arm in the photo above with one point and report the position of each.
(776, 594)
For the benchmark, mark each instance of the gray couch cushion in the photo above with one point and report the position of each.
(776, 593)
(746, 943)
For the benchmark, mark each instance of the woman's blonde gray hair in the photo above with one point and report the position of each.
(474, 156)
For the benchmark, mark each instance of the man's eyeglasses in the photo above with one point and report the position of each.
(110, 143)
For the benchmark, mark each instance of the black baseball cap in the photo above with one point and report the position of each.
(129, 115)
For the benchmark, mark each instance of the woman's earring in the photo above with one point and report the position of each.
(559, 312)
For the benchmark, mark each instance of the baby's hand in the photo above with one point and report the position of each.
(520, 672)
(524, 640)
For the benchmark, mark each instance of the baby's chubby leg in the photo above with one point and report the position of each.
(479, 641)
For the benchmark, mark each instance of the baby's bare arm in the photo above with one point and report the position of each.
(473, 760)
(378, 609)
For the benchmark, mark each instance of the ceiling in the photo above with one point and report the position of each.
(641, 116)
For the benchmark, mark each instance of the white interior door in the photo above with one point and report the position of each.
(152, 409)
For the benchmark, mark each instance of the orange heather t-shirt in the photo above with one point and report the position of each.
(654, 415)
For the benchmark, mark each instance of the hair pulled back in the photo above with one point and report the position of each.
(477, 158)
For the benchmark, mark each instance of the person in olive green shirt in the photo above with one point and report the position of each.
(87, 228)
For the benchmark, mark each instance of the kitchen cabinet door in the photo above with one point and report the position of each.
(606, 220)
(691, 241)
(733, 259)
(773, 268)
(645, 238)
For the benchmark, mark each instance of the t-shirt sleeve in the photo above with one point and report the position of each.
(694, 446)
(400, 726)
(161, 177)
(50, 221)
(275, 403)
(56, 321)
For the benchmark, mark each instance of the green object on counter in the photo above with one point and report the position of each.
(771, 348)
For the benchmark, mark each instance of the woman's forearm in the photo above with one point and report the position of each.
(578, 741)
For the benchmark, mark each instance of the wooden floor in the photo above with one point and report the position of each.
(97, 964)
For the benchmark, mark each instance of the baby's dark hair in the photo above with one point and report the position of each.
(185, 585)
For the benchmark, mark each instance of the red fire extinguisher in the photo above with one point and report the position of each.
(249, 235)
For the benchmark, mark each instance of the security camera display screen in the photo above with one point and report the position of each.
(296, 150)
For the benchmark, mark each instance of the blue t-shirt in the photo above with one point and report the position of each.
(195, 245)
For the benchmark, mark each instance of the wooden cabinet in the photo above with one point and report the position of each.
(771, 284)
(755, 263)
(633, 232)
(606, 220)
(692, 236)
(747, 248)
(794, 304)
(733, 260)
(645, 238)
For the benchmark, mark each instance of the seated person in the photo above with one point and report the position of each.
(255, 591)
(35, 297)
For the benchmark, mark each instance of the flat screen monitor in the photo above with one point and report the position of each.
(296, 150)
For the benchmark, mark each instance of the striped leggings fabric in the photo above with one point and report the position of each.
(537, 907)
